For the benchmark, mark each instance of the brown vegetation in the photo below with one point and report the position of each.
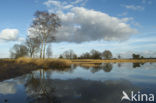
(45, 63)
(11, 68)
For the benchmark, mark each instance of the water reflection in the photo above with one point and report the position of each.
(119, 65)
(135, 65)
(40, 90)
(101, 84)
(45, 90)
(106, 67)
(7, 87)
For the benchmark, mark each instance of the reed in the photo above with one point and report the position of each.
(45, 63)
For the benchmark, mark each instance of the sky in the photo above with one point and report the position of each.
(121, 26)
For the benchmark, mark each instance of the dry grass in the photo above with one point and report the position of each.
(23, 60)
(45, 63)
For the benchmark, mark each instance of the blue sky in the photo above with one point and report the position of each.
(138, 17)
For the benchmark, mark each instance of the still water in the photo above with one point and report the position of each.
(77, 84)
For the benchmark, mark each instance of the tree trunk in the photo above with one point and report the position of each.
(41, 50)
(31, 54)
(44, 49)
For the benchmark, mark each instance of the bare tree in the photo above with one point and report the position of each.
(44, 27)
(49, 51)
(33, 45)
(107, 54)
(69, 54)
(18, 51)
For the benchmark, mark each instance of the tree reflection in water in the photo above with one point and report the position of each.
(40, 89)
(119, 65)
(106, 67)
(135, 65)
(43, 89)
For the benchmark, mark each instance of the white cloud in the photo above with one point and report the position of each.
(77, 1)
(59, 6)
(80, 24)
(53, 2)
(134, 7)
(9, 34)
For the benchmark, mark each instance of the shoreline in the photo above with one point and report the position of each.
(11, 68)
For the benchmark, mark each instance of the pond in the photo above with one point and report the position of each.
(103, 84)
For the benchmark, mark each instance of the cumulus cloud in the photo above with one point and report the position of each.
(134, 7)
(80, 24)
(9, 34)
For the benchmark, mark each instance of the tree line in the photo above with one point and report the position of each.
(93, 54)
